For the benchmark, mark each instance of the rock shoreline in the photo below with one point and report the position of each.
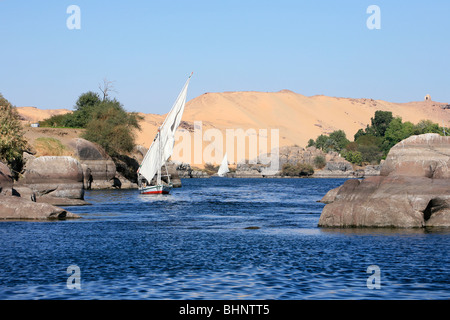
(412, 191)
(20, 203)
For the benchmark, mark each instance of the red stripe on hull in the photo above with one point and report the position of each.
(155, 192)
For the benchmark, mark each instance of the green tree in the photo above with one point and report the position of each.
(370, 148)
(340, 139)
(336, 141)
(112, 127)
(427, 126)
(380, 122)
(84, 108)
(311, 143)
(12, 141)
(359, 133)
(396, 132)
(321, 141)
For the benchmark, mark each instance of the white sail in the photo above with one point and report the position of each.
(162, 146)
(223, 167)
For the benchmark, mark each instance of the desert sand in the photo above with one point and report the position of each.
(34, 114)
(298, 118)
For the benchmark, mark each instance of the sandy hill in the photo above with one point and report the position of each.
(33, 114)
(297, 117)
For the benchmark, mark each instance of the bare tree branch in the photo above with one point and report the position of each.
(106, 88)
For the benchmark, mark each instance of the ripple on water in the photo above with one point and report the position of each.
(218, 239)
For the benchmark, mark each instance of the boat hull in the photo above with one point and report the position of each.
(157, 189)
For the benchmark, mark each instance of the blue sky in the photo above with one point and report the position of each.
(150, 47)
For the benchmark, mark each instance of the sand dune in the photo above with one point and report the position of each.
(33, 114)
(298, 118)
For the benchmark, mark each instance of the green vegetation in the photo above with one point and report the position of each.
(319, 162)
(106, 123)
(12, 142)
(297, 170)
(112, 127)
(51, 147)
(335, 141)
(84, 107)
(373, 143)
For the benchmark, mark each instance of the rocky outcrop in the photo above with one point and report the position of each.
(6, 179)
(338, 169)
(18, 203)
(17, 208)
(53, 176)
(412, 191)
(173, 173)
(419, 156)
(99, 170)
(185, 171)
(246, 170)
(326, 165)
(330, 196)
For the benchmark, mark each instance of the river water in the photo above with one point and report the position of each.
(218, 238)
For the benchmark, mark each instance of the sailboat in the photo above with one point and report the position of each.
(149, 173)
(223, 169)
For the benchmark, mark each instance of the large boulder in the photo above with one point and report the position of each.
(330, 196)
(17, 208)
(54, 176)
(338, 168)
(427, 155)
(19, 202)
(413, 189)
(6, 179)
(99, 169)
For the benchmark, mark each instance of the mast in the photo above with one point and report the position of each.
(158, 179)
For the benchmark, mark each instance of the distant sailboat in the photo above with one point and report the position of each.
(223, 169)
(161, 150)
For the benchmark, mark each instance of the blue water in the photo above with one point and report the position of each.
(218, 239)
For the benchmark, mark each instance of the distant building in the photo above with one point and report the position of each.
(427, 97)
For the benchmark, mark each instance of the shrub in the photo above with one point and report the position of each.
(12, 141)
(311, 143)
(297, 170)
(57, 121)
(319, 162)
(354, 157)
